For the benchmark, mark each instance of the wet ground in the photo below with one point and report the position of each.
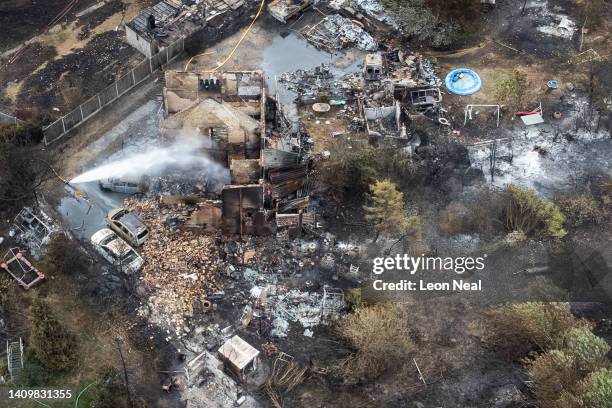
(85, 205)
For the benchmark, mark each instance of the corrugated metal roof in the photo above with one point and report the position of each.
(162, 12)
(279, 176)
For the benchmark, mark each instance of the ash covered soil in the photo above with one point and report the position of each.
(22, 19)
(89, 69)
(49, 65)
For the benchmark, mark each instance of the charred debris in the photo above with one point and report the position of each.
(269, 153)
(230, 246)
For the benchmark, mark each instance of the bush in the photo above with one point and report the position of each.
(54, 346)
(431, 23)
(379, 334)
(109, 392)
(554, 374)
(588, 351)
(510, 89)
(65, 256)
(526, 212)
(559, 375)
(581, 209)
(25, 133)
(517, 329)
(452, 220)
(34, 374)
(543, 289)
(596, 390)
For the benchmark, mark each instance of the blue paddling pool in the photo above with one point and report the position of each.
(462, 81)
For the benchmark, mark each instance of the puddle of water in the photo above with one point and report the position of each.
(86, 215)
(291, 53)
(82, 219)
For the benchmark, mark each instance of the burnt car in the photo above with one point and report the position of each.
(127, 225)
(123, 186)
(116, 251)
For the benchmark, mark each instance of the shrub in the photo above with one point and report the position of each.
(25, 133)
(581, 209)
(34, 374)
(596, 390)
(554, 374)
(588, 351)
(353, 298)
(109, 392)
(54, 346)
(543, 289)
(65, 256)
(526, 212)
(510, 89)
(517, 329)
(562, 376)
(452, 220)
(379, 334)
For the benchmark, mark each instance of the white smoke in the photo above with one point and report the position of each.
(185, 154)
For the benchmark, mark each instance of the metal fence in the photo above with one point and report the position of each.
(91, 107)
(8, 118)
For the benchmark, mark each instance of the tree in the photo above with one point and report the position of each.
(54, 346)
(437, 24)
(347, 174)
(23, 166)
(527, 212)
(380, 336)
(387, 210)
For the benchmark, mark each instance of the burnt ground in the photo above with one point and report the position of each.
(519, 28)
(89, 69)
(38, 54)
(88, 21)
(22, 19)
(474, 381)
(83, 54)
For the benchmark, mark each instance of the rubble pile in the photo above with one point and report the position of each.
(344, 27)
(288, 285)
(376, 10)
(305, 308)
(182, 183)
(180, 268)
(429, 71)
(335, 32)
(310, 84)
